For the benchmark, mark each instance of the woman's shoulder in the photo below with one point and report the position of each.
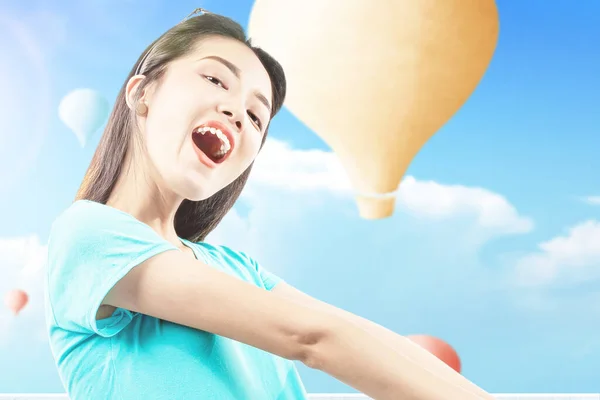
(88, 225)
(74, 219)
(87, 216)
(86, 210)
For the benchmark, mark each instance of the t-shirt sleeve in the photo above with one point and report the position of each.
(269, 279)
(91, 247)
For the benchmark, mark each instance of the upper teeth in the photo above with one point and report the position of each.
(225, 145)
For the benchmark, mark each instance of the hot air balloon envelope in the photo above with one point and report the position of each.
(15, 300)
(376, 79)
(438, 348)
(83, 111)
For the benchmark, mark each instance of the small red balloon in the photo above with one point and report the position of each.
(438, 348)
(15, 300)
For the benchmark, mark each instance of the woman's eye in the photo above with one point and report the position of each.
(215, 81)
(255, 119)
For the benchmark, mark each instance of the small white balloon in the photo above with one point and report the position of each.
(83, 111)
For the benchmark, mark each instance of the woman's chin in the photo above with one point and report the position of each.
(193, 186)
(196, 192)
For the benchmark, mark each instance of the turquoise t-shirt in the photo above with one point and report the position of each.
(134, 356)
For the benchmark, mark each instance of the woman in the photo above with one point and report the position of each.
(140, 307)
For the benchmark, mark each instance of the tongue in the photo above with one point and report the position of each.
(209, 144)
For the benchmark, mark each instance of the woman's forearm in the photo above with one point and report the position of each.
(418, 354)
(361, 360)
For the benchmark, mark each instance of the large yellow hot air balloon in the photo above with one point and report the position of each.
(376, 79)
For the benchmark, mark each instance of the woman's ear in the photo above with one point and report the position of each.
(131, 90)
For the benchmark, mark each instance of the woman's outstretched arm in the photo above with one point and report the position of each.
(177, 288)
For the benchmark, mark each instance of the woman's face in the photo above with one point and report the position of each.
(206, 118)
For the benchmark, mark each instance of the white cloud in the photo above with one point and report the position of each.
(592, 200)
(568, 259)
(280, 165)
(26, 254)
(437, 201)
(22, 261)
(300, 170)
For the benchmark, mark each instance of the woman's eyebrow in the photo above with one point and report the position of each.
(235, 70)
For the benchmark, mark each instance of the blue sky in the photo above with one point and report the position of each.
(495, 243)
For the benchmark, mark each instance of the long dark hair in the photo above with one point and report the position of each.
(193, 219)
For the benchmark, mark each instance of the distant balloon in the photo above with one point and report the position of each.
(83, 111)
(376, 79)
(15, 300)
(438, 348)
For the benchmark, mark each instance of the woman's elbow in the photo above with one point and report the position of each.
(313, 345)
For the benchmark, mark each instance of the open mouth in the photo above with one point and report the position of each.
(213, 142)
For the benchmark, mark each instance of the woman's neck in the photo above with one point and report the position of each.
(141, 196)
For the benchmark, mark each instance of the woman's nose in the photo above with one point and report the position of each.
(236, 121)
(234, 116)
